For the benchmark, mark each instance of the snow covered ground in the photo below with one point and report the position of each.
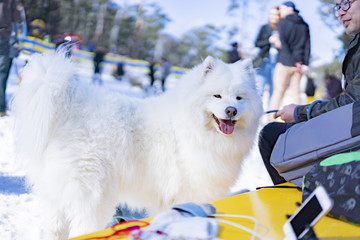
(19, 210)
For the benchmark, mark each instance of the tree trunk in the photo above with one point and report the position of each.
(100, 22)
(114, 34)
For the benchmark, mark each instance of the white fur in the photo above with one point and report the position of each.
(87, 150)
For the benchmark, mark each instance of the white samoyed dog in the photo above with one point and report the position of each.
(87, 149)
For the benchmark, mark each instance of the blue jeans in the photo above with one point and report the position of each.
(97, 78)
(4, 68)
(265, 74)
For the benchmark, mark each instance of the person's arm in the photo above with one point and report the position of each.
(262, 38)
(283, 33)
(301, 47)
(351, 94)
(298, 113)
(307, 49)
(15, 13)
(13, 38)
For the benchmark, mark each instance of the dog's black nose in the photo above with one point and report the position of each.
(231, 111)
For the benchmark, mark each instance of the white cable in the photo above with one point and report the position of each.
(253, 232)
(240, 216)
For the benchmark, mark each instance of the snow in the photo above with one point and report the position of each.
(19, 210)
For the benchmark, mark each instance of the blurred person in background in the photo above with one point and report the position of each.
(98, 62)
(120, 70)
(8, 14)
(265, 61)
(165, 72)
(14, 47)
(234, 54)
(151, 71)
(333, 86)
(293, 57)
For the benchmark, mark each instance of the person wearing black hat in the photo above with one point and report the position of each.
(291, 5)
(293, 56)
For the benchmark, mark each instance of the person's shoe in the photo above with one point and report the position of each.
(2, 114)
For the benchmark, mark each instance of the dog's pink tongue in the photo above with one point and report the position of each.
(226, 126)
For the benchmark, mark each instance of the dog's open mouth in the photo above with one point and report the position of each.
(225, 125)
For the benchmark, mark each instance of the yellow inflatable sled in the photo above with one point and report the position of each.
(268, 205)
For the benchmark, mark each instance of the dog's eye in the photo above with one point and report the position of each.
(238, 98)
(217, 95)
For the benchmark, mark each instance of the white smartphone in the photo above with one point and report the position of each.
(311, 210)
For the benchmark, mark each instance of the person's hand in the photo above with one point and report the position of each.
(304, 68)
(274, 39)
(301, 68)
(286, 113)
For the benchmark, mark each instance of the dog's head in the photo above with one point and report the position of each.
(228, 95)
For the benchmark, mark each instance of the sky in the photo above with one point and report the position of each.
(188, 14)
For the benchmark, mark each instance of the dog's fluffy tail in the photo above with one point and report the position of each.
(40, 101)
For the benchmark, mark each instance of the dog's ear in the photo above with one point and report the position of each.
(208, 65)
(247, 67)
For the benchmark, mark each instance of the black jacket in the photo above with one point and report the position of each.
(233, 56)
(295, 40)
(8, 14)
(262, 40)
(351, 71)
